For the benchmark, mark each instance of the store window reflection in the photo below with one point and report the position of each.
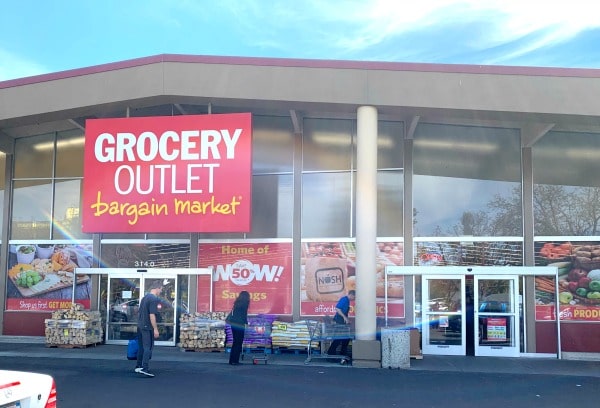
(46, 204)
(30, 217)
(2, 185)
(566, 193)
(467, 181)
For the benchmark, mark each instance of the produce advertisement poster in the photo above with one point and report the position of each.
(189, 173)
(40, 276)
(328, 272)
(262, 269)
(578, 266)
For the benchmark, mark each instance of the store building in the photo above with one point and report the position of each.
(461, 182)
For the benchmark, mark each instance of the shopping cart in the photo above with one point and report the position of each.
(325, 331)
(257, 340)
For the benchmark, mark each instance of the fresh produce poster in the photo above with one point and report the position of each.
(578, 266)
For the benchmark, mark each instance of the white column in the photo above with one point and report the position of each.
(366, 223)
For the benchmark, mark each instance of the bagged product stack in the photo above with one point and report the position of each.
(291, 335)
(73, 327)
(202, 331)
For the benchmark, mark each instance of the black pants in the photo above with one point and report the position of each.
(145, 346)
(236, 347)
(336, 343)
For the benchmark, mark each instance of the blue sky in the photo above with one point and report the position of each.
(42, 36)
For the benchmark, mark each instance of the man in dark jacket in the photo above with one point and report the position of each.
(147, 329)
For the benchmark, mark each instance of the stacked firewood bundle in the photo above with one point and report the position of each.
(73, 327)
(202, 331)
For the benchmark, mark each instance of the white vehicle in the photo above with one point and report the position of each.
(19, 389)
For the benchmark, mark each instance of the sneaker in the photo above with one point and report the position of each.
(138, 369)
(146, 373)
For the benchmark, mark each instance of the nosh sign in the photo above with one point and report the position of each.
(168, 174)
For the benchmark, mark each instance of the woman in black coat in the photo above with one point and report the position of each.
(238, 321)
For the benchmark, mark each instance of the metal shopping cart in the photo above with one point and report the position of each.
(325, 331)
(257, 340)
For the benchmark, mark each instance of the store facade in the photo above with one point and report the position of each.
(354, 168)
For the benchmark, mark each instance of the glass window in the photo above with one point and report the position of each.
(69, 153)
(327, 144)
(390, 192)
(566, 193)
(2, 186)
(45, 207)
(390, 141)
(32, 201)
(272, 144)
(326, 204)
(467, 181)
(149, 255)
(34, 156)
(67, 205)
(272, 206)
(457, 253)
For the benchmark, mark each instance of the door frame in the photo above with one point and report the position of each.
(149, 273)
(142, 292)
(514, 327)
(441, 318)
(519, 271)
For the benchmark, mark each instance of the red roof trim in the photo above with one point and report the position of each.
(307, 63)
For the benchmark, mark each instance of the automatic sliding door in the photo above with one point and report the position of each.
(497, 315)
(443, 321)
(125, 292)
(123, 302)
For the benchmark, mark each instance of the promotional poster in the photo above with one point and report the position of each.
(40, 276)
(578, 266)
(328, 273)
(262, 269)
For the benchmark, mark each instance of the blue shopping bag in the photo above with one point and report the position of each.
(132, 349)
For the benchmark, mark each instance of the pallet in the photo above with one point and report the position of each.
(290, 350)
(205, 350)
(71, 346)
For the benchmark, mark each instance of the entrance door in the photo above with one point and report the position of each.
(443, 323)
(125, 292)
(496, 315)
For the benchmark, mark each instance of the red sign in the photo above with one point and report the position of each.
(264, 270)
(568, 312)
(43, 305)
(187, 173)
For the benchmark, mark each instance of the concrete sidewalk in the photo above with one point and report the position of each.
(36, 348)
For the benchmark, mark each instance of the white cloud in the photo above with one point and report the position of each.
(357, 26)
(13, 66)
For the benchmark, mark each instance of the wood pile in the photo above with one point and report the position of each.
(73, 327)
(202, 331)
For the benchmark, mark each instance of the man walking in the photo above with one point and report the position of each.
(342, 308)
(147, 329)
